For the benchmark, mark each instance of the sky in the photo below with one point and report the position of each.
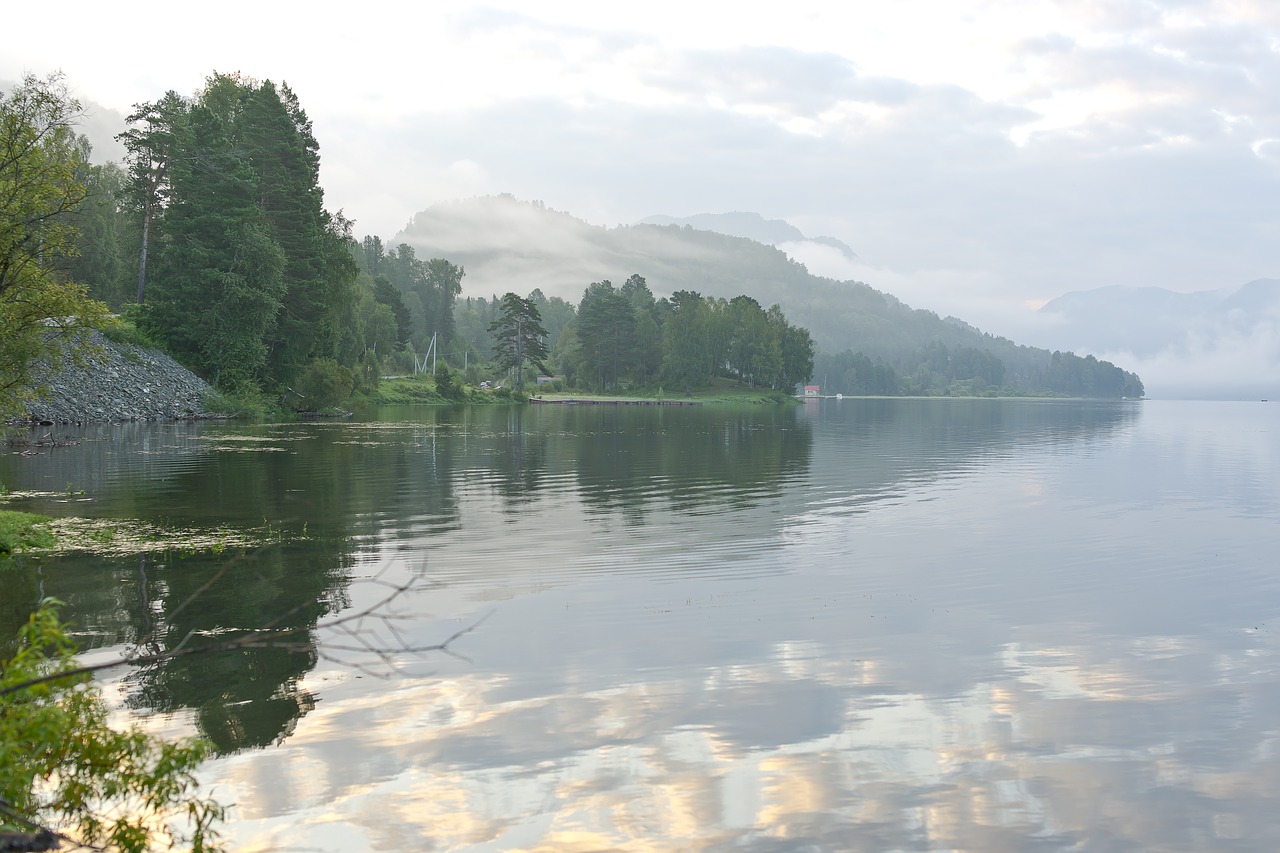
(981, 156)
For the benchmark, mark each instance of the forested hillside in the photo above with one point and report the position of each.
(212, 238)
(867, 341)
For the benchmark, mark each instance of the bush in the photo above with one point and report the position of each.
(246, 403)
(446, 386)
(124, 330)
(62, 765)
(323, 385)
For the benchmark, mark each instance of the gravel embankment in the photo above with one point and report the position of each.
(128, 384)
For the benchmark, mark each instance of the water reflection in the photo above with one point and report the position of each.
(917, 625)
(1065, 749)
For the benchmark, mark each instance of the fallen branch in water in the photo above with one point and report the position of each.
(364, 631)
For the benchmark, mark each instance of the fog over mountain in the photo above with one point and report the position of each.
(771, 232)
(509, 245)
(1210, 344)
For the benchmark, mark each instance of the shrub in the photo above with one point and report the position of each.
(323, 385)
(446, 386)
(62, 765)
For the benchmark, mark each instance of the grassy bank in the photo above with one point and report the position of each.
(20, 530)
(410, 390)
(727, 396)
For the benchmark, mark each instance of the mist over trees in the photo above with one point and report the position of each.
(213, 237)
(502, 239)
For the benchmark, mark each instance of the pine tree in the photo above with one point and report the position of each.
(519, 337)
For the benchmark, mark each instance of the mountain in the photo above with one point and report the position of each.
(509, 245)
(1206, 344)
(753, 226)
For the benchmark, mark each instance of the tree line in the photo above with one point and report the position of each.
(625, 338)
(213, 237)
(938, 370)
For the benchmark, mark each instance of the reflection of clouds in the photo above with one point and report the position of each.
(1090, 745)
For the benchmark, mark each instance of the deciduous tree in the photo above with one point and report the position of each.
(41, 163)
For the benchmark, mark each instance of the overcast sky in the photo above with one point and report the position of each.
(981, 157)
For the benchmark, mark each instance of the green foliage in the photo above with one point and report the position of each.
(19, 530)
(252, 279)
(839, 315)
(152, 144)
(624, 338)
(519, 337)
(323, 385)
(447, 386)
(107, 232)
(64, 768)
(606, 330)
(241, 403)
(42, 164)
(124, 329)
(427, 290)
(387, 295)
(217, 284)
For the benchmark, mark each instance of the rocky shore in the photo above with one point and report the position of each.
(127, 383)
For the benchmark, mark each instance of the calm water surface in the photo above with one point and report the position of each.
(854, 625)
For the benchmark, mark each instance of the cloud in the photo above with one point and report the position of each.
(1055, 146)
(1220, 363)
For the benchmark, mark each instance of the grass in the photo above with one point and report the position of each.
(720, 392)
(250, 404)
(22, 530)
(408, 390)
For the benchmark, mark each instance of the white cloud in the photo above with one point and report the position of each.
(978, 154)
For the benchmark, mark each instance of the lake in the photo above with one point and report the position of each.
(977, 625)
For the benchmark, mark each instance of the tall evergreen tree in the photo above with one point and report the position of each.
(152, 147)
(685, 359)
(254, 276)
(275, 135)
(606, 330)
(519, 336)
(218, 282)
(390, 297)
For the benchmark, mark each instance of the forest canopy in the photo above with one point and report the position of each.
(213, 238)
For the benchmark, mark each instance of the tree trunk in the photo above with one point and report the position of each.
(142, 255)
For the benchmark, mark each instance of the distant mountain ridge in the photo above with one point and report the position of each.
(752, 226)
(1149, 320)
(1209, 343)
(506, 244)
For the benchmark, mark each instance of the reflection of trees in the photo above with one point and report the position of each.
(21, 593)
(244, 697)
(520, 463)
(627, 459)
(351, 483)
(320, 487)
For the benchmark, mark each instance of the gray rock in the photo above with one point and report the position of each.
(126, 383)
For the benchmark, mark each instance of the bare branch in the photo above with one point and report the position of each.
(359, 628)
